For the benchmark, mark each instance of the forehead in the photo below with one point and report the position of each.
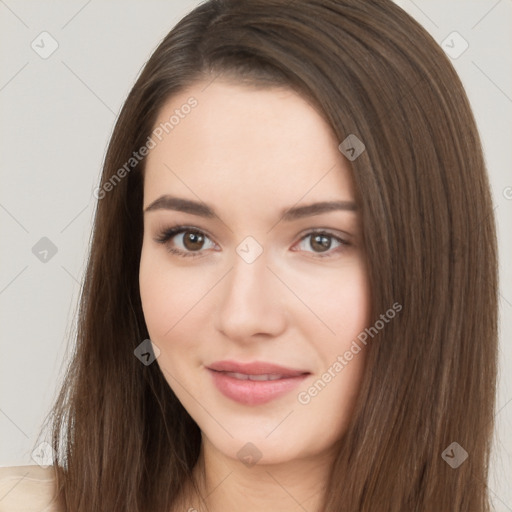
(253, 142)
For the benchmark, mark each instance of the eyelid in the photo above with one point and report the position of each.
(169, 233)
(179, 228)
(335, 233)
(344, 243)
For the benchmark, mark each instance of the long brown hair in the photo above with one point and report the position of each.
(123, 441)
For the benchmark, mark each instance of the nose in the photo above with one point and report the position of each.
(251, 302)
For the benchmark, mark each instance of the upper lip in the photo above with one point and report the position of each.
(255, 368)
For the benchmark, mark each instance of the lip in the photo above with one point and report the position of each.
(254, 392)
(255, 368)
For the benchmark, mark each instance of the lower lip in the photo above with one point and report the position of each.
(252, 392)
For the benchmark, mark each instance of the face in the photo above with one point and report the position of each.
(252, 275)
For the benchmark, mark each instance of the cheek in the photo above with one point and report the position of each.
(167, 293)
(164, 297)
(158, 301)
(338, 300)
(175, 302)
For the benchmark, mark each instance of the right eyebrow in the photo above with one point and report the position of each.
(167, 202)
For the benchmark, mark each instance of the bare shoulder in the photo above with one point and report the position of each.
(27, 488)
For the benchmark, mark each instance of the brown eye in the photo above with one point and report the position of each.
(193, 241)
(320, 243)
(185, 241)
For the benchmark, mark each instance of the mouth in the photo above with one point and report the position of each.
(255, 369)
(262, 377)
(254, 383)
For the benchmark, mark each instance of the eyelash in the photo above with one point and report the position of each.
(167, 234)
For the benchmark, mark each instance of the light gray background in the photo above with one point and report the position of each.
(57, 115)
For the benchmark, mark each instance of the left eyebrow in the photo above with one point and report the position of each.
(299, 212)
(167, 202)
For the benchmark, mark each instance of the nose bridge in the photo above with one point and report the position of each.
(250, 302)
(249, 279)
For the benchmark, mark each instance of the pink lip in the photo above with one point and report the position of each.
(256, 368)
(249, 392)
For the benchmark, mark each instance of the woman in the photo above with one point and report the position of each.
(294, 209)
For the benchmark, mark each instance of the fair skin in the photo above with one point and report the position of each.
(249, 154)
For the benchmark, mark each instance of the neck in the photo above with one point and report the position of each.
(226, 484)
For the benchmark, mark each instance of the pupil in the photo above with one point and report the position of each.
(320, 242)
(193, 241)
